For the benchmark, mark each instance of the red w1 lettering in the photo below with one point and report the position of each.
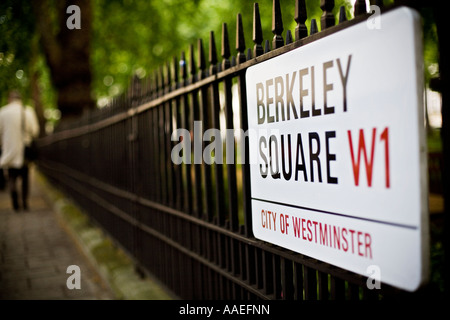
(369, 157)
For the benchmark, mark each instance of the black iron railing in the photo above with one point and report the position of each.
(190, 224)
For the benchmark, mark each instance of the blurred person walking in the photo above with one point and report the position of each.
(18, 127)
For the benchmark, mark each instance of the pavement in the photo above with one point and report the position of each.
(39, 247)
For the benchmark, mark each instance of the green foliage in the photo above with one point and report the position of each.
(16, 30)
(136, 37)
(430, 43)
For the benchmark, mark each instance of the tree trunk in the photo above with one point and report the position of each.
(67, 52)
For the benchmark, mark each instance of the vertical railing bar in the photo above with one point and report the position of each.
(187, 114)
(227, 252)
(211, 284)
(266, 46)
(250, 258)
(276, 266)
(268, 272)
(369, 294)
(337, 288)
(327, 20)
(353, 291)
(206, 106)
(242, 261)
(216, 286)
(198, 212)
(225, 50)
(172, 189)
(249, 54)
(240, 40)
(222, 250)
(360, 7)
(277, 25)
(188, 233)
(313, 29)
(301, 31)
(287, 274)
(156, 143)
(163, 120)
(213, 258)
(206, 120)
(289, 37)
(240, 47)
(342, 14)
(298, 281)
(230, 152)
(257, 31)
(179, 274)
(170, 250)
(196, 117)
(134, 139)
(310, 283)
(234, 257)
(259, 268)
(215, 108)
(323, 285)
(178, 122)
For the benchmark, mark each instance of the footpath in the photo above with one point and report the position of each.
(40, 247)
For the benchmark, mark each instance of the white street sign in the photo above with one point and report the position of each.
(338, 150)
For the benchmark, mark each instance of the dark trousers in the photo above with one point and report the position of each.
(2, 179)
(13, 175)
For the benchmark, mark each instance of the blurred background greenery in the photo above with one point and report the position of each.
(122, 38)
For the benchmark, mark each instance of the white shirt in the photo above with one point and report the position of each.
(14, 117)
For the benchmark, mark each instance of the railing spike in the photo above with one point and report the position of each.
(257, 31)
(156, 83)
(176, 70)
(342, 14)
(360, 7)
(151, 86)
(225, 47)
(300, 17)
(136, 81)
(183, 68)
(162, 78)
(192, 67)
(136, 88)
(266, 46)
(162, 82)
(201, 59)
(288, 37)
(277, 25)
(378, 3)
(314, 28)
(240, 40)
(168, 77)
(212, 53)
(327, 20)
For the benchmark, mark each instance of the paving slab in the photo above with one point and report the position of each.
(36, 251)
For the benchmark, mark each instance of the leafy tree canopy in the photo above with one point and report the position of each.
(136, 37)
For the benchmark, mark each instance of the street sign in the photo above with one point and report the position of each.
(338, 151)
